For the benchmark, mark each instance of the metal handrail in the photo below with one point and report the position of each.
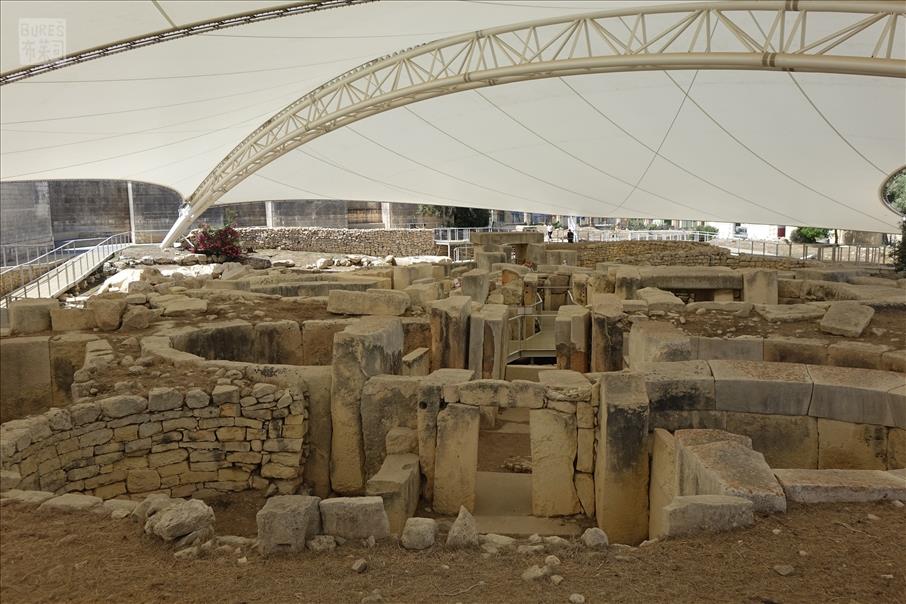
(67, 272)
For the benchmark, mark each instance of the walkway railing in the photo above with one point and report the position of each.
(655, 235)
(61, 268)
(823, 252)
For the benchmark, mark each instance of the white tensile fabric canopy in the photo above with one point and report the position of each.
(732, 142)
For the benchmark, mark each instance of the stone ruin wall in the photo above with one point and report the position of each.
(667, 253)
(370, 242)
(183, 442)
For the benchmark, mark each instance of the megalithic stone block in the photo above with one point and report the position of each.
(621, 464)
(450, 332)
(572, 335)
(553, 441)
(476, 284)
(371, 346)
(456, 465)
(488, 336)
(430, 397)
(607, 334)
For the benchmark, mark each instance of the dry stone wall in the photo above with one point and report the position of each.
(179, 442)
(662, 253)
(372, 242)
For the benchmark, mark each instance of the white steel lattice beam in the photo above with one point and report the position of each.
(714, 35)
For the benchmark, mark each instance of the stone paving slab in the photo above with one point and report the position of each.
(832, 486)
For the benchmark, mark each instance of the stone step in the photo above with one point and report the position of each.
(523, 526)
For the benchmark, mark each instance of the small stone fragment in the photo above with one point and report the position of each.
(360, 565)
(556, 579)
(535, 572)
(595, 538)
(576, 599)
(784, 570)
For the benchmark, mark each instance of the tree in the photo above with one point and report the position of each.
(457, 217)
(899, 249)
(808, 234)
(895, 191)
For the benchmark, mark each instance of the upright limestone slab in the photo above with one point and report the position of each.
(621, 465)
(607, 334)
(388, 401)
(370, 347)
(430, 397)
(487, 341)
(553, 440)
(572, 335)
(450, 332)
(456, 464)
(663, 487)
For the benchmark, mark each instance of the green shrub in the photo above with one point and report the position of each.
(808, 234)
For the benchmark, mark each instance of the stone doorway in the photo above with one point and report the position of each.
(503, 485)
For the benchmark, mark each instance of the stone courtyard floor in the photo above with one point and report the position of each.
(849, 557)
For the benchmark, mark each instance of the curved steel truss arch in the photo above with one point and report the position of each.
(713, 35)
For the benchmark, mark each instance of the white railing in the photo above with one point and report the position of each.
(655, 235)
(69, 264)
(822, 252)
(445, 235)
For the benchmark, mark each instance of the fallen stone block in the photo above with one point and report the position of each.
(287, 522)
(32, 498)
(730, 468)
(847, 318)
(183, 518)
(693, 514)
(398, 483)
(789, 312)
(463, 532)
(658, 299)
(70, 502)
(837, 486)
(419, 533)
(354, 517)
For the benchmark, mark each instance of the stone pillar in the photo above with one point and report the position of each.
(621, 465)
(456, 464)
(663, 486)
(369, 347)
(607, 334)
(554, 445)
(488, 341)
(476, 284)
(578, 287)
(529, 299)
(430, 397)
(627, 282)
(759, 287)
(571, 337)
(450, 332)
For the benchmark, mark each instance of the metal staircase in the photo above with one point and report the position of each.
(69, 264)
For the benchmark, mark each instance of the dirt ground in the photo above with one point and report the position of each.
(494, 448)
(84, 558)
(888, 327)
